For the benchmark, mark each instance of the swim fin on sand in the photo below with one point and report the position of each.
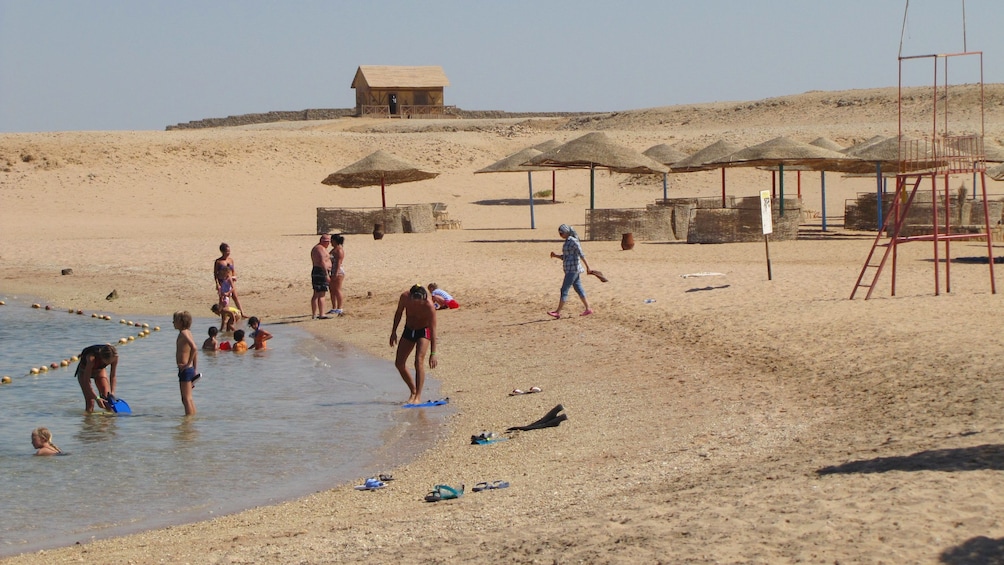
(550, 420)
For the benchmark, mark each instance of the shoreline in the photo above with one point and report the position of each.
(389, 451)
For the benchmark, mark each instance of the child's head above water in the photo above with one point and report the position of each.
(213, 330)
(253, 321)
(239, 335)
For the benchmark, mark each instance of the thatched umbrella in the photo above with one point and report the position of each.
(597, 150)
(666, 155)
(825, 143)
(544, 147)
(882, 155)
(782, 151)
(996, 173)
(380, 168)
(699, 161)
(514, 163)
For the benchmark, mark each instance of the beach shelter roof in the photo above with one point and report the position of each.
(514, 164)
(699, 161)
(596, 149)
(884, 154)
(786, 151)
(378, 168)
(547, 145)
(993, 152)
(665, 154)
(996, 173)
(826, 143)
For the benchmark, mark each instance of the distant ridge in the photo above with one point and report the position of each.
(336, 113)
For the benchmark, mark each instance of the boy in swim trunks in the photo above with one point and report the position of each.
(419, 335)
(187, 357)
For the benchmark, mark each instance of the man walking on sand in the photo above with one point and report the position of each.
(320, 276)
(419, 334)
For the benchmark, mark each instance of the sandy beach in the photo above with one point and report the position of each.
(716, 419)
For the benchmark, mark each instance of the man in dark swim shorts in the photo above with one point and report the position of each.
(320, 276)
(419, 335)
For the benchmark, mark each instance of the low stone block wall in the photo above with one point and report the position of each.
(743, 223)
(411, 218)
(654, 223)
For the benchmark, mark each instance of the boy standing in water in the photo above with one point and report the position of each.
(187, 357)
(419, 335)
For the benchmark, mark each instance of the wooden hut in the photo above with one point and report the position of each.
(400, 92)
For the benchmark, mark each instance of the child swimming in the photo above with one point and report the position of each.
(41, 440)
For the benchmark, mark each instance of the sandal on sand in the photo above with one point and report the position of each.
(531, 390)
(490, 486)
(444, 492)
(587, 312)
(371, 483)
(554, 314)
(385, 477)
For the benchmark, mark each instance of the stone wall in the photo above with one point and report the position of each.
(411, 218)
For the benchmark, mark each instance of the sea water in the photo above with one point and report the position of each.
(301, 416)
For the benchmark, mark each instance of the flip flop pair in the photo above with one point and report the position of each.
(531, 390)
(444, 492)
(490, 486)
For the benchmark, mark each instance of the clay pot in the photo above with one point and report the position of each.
(627, 241)
(377, 231)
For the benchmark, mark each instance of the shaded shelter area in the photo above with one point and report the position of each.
(667, 155)
(514, 164)
(700, 161)
(882, 155)
(783, 151)
(593, 150)
(378, 168)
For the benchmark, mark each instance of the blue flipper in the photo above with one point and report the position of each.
(117, 405)
(428, 403)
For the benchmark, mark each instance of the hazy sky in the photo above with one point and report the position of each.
(138, 65)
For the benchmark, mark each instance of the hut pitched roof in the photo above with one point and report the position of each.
(386, 76)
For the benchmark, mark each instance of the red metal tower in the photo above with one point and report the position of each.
(925, 161)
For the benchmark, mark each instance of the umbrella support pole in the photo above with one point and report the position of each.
(529, 181)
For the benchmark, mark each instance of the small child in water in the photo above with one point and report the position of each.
(229, 316)
(210, 344)
(260, 335)
(239, 345)
(41, 440)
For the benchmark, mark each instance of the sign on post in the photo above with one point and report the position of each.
(767, 220)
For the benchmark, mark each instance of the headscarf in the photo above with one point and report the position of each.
(565, 228)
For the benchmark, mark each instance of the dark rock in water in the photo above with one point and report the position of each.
(112, 295)
(67, 271)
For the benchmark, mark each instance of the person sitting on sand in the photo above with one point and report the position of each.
(442, 299)
(229, 316)
(41, 440)
(260, 335)
(239, 345)
(210, 344)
